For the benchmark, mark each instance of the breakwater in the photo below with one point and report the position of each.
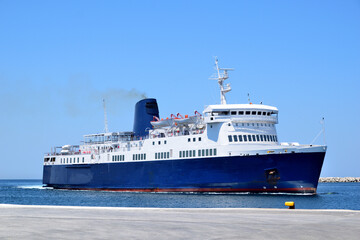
(339, 179)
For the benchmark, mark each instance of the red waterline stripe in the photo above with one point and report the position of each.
(279, 190)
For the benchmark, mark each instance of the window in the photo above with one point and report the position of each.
(247, 112)
(253, 138)
(199, 153)
(187, 153)
(253, 113)
(194, 139)
(241, 112)
(159, 142)
(83, 159)
(230, 138)
(253, 124)
(207, 152)
(167, 155)
(142, 156)
(276, 138)
(190, 153)
(258, 113)
(233, 112)
(264, 138)
(210, 150)
(214, 151)
(268, 113)
(257, 138)
(203, 152)
(165, 142)
(153, 143)
(249, 138)
(199, 139)
(194, 153)
(162, 155)
(268, 138)
(235, 138)
(240, 138)
(112, 159)
(180, 154)
(264, 113)
(245, 138)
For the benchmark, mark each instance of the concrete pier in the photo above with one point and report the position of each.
(57, 222)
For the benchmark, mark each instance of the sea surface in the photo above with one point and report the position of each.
(31, 192)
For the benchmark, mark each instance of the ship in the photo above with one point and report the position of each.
(226, 148)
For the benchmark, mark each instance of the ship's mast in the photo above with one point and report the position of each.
(221, 77)
(105, 118)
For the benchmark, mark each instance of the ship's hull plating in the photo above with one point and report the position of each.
(293, 172)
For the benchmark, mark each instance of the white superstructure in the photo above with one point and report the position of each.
(221, 130)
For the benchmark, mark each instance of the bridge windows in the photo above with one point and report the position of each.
(230, 138)
(247, 113)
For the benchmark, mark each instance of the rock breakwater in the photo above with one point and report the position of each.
(339, 179)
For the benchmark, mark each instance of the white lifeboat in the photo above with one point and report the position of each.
(66, 147)
(65, 151)
(168, 122)
(180, 120)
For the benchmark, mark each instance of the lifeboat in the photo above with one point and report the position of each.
(180, 120)
(157, 123)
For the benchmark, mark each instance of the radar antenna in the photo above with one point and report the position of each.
(105, 118)
(221, 77)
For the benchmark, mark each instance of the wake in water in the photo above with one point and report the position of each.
(34, 187)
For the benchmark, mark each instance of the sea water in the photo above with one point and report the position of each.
(32, 192)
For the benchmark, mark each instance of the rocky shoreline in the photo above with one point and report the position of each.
(339, 179)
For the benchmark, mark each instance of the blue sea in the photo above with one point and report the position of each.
(31, 192)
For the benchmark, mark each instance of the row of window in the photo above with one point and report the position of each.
(159, 142)
(194, 139)
(201, 153)
(251, 113)
(71, 160)
(140, 156)
(252, 138)
(253, 124)
(162, 155)
(117, 158)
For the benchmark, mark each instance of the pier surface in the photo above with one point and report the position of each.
(58, 222)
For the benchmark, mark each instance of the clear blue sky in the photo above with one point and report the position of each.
(59, 58)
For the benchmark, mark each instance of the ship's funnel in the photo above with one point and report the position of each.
(145, 110)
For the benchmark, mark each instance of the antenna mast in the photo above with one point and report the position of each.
(221, 77)
(105, 118)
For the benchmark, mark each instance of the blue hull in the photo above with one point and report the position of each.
(295, 172)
